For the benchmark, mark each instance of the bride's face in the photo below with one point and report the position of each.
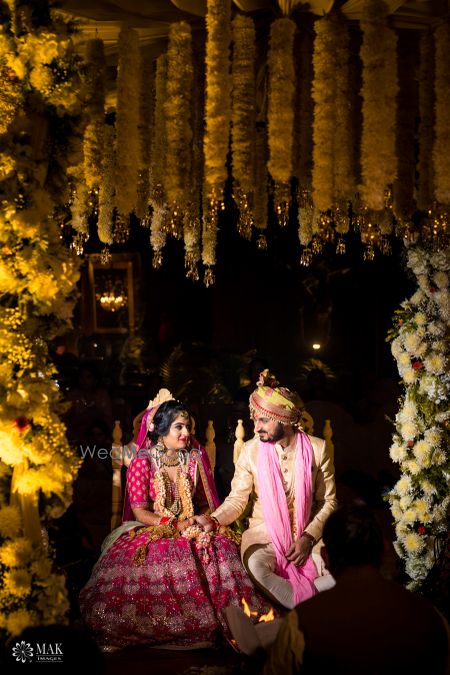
(178, 434)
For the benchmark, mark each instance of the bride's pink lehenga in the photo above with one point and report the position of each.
(171, 591)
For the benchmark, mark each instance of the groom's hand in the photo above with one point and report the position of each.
(299, 551)
(204, 522)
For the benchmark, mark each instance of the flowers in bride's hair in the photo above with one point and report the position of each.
(151, 427)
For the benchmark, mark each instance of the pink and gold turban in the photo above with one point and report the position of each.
(274, 402)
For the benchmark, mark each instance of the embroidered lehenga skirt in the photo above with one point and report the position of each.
(174, 596)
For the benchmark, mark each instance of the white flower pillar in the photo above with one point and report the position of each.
(420, 499)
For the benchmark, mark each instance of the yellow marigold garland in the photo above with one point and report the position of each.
(441, 147)
(127, 121)
(379, 92)
(243, 118)
(425, 192)
(177, 107)
(95, 111)
(217, 122)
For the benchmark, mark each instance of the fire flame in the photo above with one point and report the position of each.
(270, 616)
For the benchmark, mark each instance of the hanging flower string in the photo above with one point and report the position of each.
(403, 189)
(280, 113)
(379, 92)
(177, 108)
(420, 499)
(324, 95)
(217, 122)
(158, 232)
(243, 118)
(146, 106)
(442, 131)
(127, 135)
(106, 191)
(344, 169)
(192, 215)
(95, 112)
(307, 213)
(425, 192)
(260, 195)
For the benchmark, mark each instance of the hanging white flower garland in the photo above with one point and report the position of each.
(95, 112)
(177, 108)
(158, 230)
(324, 95)
(146, 106)
(379, 92)
(106, 190)
(425, 192)
(420, 499)
(280, 112)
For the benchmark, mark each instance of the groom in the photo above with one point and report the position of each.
(292, 477)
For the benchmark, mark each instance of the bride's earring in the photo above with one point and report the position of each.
(160, 447)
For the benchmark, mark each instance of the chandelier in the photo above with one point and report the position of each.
(113, 297)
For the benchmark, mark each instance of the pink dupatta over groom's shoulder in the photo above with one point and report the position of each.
(276, 513)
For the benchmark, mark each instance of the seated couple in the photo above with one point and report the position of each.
(167, 573)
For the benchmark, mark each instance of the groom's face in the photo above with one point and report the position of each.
(268, 430)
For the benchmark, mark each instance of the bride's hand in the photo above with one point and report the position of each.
(183, 524)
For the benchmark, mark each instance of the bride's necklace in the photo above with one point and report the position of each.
(170, 461)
